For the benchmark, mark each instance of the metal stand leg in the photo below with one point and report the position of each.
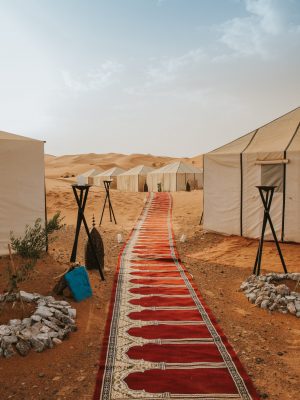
(267, 201)
(107, 198)
(81, 202)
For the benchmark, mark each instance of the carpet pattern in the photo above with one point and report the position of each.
(161, 340)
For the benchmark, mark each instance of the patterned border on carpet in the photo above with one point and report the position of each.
(161, 340)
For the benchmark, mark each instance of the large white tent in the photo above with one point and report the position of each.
(87, 177)
(110, 174)
(269, 155)
(174, 177)
(22, 194)
(133, 180)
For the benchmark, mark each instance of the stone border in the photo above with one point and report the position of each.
(260, 291)
(50, 323)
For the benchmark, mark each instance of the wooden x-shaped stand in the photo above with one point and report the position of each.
(107, 198)
(81, 202)
(267, 201)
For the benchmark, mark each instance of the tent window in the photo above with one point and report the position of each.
(272, 175)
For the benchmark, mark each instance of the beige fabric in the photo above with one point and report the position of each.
(22, 195)
(236, 146)
(292, 199)
(222, 193)
(110, 174)
(174, 177)
(87, 177)
(252, 204)
(134, 179)
(263, 161)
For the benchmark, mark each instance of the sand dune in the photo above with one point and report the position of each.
(68, 165)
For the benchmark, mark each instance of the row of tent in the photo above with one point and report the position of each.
(170, 178)
(269, 155)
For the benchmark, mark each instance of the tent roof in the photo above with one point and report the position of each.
(275, 136)
(112, 172)
(178, 167)
(12, 136)
(139, 170)
(90, 172)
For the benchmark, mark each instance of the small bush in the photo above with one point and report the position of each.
(32, 243)
(54, 224)
(35, 239)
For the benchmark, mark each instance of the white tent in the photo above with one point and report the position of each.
(270, 155)
(174, 177)
(133, 180)
(110, 174)
(22, 194)
(87, 177)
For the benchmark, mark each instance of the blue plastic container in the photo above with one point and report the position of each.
(79, 283)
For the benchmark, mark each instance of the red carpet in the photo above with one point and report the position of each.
(161, 339)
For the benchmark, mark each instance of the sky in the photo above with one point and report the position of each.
(166, 77)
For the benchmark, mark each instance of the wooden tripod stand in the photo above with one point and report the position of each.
(266, 194)
(107, 198)
(81, 202)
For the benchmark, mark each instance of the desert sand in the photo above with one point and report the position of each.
(267, 344)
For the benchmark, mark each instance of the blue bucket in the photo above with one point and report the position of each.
(79, 283)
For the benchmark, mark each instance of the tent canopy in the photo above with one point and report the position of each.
(139, 170)
(174, 177)
(178, 167)
(269, 155)
(111, 173)
(115, 171)
(22, 195)
(134, 179)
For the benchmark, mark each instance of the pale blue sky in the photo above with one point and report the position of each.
(168, 77)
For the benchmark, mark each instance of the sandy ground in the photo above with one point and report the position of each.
(268, 344)
(57, 167)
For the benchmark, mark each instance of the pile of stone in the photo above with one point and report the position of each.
(51, 322)
(265, 291)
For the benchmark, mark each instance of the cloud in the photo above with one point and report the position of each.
(95, 80)
(168, 69)
(249, 35)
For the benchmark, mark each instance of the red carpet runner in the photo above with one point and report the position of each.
(161, 339)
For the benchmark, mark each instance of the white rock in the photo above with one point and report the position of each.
(44, 312)
(26, 322)
(120, 238)
(36, 318)
(290, 298)
(29, 297)
(72, 313)
(45, 329)
(14, 322)
(55, 340)
(182, 238)
(4, 330)
(291, 307)
(10, 339)
(264, 304)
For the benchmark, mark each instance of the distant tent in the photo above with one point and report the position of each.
(174, 177)
(110, 174)
(87, 177)
(269, 155)
(133, 180)
(22, 194)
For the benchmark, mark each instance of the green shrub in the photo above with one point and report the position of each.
(54, 224)
(35, 238)
(32, 244)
